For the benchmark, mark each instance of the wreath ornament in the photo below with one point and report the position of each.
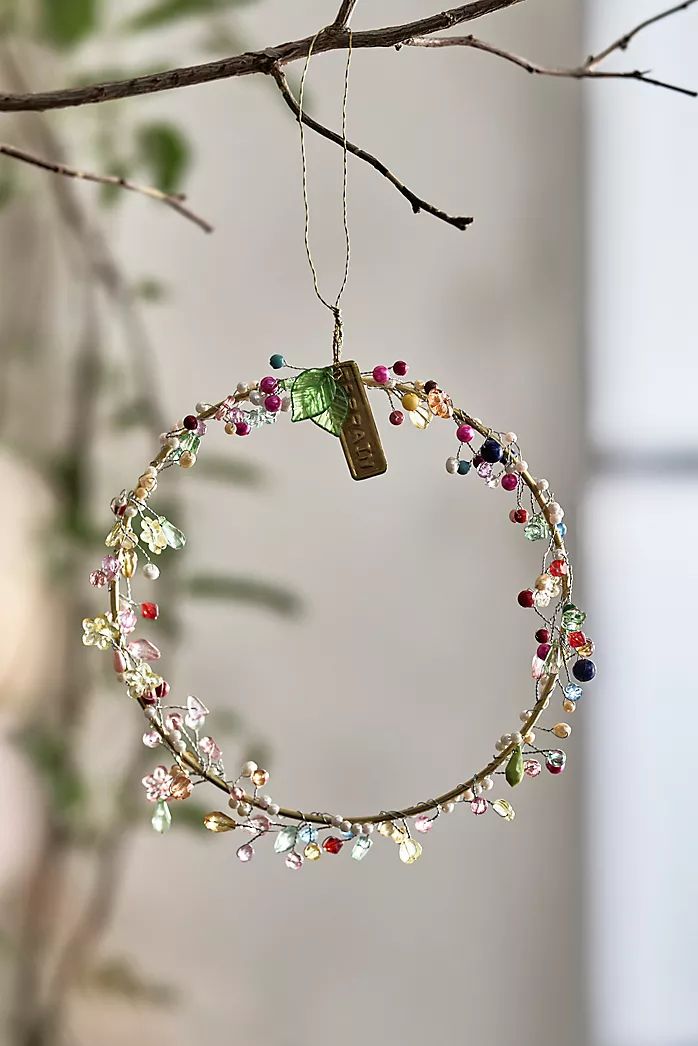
(335, 399)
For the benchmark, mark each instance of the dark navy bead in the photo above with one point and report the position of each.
(464, 468)
(584, 670)
(491, 451)
(276, 362)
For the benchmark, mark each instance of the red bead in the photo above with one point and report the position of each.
(243, 428)
(191, 422)
(150, 610)
(525, 598)
(268, 385)
(162, 689)
(332, 845)
(396, 417)
(558, 568)
(542, 635)
(543, 651)
(520, 515)
(509, 481)
(400, 368)
(576, 639)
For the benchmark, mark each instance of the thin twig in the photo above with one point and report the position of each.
(344, 14)
(416, 202)
(330, 39)
(173, 200)
(587, 71)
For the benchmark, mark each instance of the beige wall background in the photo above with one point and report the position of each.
(411, 656)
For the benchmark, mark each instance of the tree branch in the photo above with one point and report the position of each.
(344, 14)
(587, 71)
(175, 201)
(416, 202)
(330, 39)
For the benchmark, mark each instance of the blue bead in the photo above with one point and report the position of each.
(561, 529)
(573, 691)
(277, 361)
(307, 833)
(491, 451)
(464, 468)
(584, 670)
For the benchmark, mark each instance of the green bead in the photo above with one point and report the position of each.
(536, 529)
(515, 769)
(277, 361)
(162, 817)
(572, 618)
(285, 840)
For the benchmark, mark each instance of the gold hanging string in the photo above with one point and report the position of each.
(333, 308)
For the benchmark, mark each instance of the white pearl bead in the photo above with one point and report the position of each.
(129, 512)
(521, 465)
(248, 769)
(344, 826)
(244, 809)
(452, 466)
(499, 746)
(201, 407)
(180, 746)
(468, 795)
(336, 820)
(505, 739)
(542, 485)
(150, 712)
(273, 809)
(242, 388)
(516, 737)
(256, 398)
(151, 572)
(151, 471)
(487, 783)
(511, 467)
(263, 801)
(367, 829)
(447, 808)
(356, 829)
(525, 714)
(510, 437)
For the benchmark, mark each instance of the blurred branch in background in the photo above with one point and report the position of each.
(53, 938)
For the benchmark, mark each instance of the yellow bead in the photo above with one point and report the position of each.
(140, 493)
(187, 460)
(410, 401)
(410, 851)
(312, 852)
(230, 428)
(504, 809)
(386, 828)
(562, 730)
(398, 835)
(130, 563)
(217, 821)
(569, 706)
(147, 480)
(260, 778)
(586, 650)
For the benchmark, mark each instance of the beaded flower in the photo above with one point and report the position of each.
(99, 631)
(153, 535)
(158, 785)
(141, 680)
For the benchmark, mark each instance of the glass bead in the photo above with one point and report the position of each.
(260, 778)
(484, 470)
(129, 563)
(423, 823)
(536, 529)
(541, 598)
(294, 861)
(361, 847)
(332, 845)
(410, 851)
(385, 828)
(555, 761)
(398, 834)
(504, 809)
(420, 417)
(440, 404)
(312, 852)
(285, 840)
(558, 568)
(478, 805)
(217, 821)
(572, 618)
(307, 833)
(151, 739)
(150, 611)
(573, 691)
(561, 529)
(245, 852)
(260, 822)
(162, 817)
(586, 649)
(576, 639)
(532, 767)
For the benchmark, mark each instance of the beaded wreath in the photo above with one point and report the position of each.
(562, 658)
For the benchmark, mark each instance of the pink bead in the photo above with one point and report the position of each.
(400, 368)
(465, 433)
(543, 651)
(294, 861)
(119, 661)
(260, 822)
(243, 428)
(98, 578)
(151, 739)
(510, 481)
(272, 403)
(245, 852)
(268, 385)
(381, 375)
(532, 767)
(143, 649)
(423, 823)
(478, 805)
(110, 567)
(174, 721)
(150, 698)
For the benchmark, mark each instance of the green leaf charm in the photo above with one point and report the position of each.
(515, 768)
(332, 419)
(174, 537)
(312, 393)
